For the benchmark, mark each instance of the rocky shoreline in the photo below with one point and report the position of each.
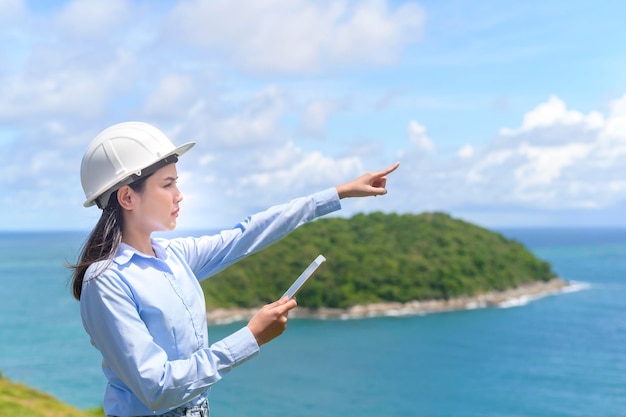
(507, 298)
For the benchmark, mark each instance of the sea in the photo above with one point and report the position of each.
(560, 355)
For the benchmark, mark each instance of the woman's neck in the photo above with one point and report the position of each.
(139, 241)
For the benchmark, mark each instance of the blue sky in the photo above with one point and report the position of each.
(505, 114)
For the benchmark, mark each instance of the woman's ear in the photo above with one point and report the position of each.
(126, 197)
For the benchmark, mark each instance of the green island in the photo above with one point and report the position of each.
(377, 259)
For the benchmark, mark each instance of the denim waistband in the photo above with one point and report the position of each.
(201, 410)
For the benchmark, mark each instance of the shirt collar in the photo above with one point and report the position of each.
(126, 252)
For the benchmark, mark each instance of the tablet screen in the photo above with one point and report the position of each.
(304, 276)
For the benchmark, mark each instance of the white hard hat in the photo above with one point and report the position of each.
(119, 154)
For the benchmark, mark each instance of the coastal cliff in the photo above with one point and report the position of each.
(498, 299)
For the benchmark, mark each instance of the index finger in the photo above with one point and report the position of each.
(386, 171)
(283, 307)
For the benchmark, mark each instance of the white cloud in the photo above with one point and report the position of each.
(68, 92)
(467, 151)
(418, 137)
(10, 9)
(316, 116)
(257, 122)
(280, 158)
(614, 130)
(486, 162)
(312, 170)
(554, 113)
(172, 95)
(545, 164)
(299, 35)
(93, 18)
(63, 94)
(561, 163)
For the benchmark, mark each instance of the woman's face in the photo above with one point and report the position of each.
(156, 207)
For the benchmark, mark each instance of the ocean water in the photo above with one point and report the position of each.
(562, 355)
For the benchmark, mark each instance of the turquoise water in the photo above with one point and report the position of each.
(562, 355)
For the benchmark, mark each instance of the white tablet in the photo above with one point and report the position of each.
(304, 276)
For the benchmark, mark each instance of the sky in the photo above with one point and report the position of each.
(503, 114)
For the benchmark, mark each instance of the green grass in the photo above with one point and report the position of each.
(18, 400)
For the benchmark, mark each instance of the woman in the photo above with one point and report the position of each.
(140, 297)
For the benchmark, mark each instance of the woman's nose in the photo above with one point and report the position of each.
(179, 196)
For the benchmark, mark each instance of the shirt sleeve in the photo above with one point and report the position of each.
(208, 255)
(131, 356)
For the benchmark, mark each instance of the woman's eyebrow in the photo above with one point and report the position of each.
(170, 179)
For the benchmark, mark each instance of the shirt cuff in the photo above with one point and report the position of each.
(326, 201)
(242, 345)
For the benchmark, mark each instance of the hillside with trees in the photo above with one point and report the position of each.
(378, 258)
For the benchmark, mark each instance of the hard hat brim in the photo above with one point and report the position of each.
(119, 182)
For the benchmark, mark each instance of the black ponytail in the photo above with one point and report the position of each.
(104, 240)
(102, 243)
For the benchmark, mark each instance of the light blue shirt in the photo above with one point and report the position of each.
(147, 315)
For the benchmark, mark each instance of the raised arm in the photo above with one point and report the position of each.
(368, 184)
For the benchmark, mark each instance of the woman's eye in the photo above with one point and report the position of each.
(170, 184)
